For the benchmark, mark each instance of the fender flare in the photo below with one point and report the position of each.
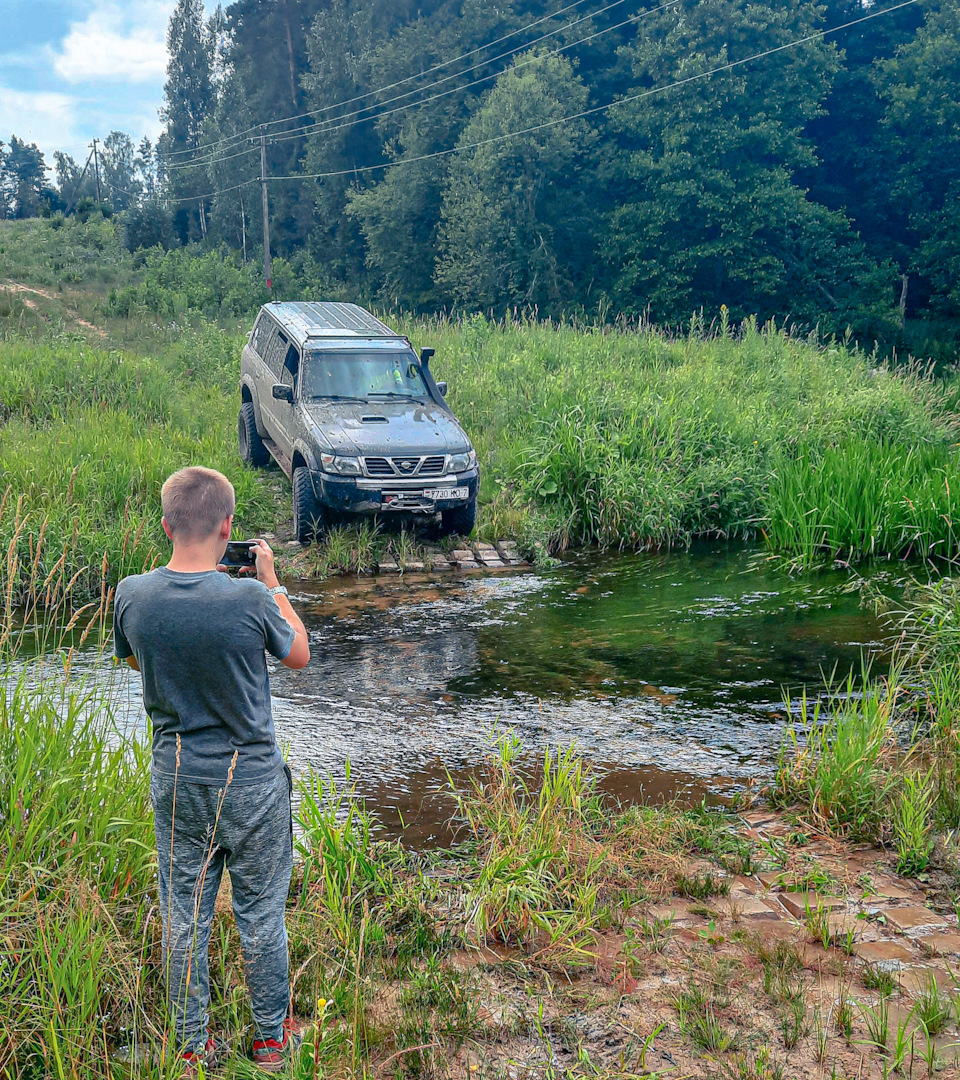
(247, 383)
(307, 452)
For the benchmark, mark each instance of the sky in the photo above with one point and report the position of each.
(74, 69)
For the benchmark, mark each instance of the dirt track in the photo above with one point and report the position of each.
(18, 287)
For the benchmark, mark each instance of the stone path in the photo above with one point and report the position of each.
(843, 907)
(475, 556)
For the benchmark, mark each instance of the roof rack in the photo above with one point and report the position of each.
(306, 319)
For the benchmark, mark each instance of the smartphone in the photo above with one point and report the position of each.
(239, 553)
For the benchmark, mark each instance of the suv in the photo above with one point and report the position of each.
(354, 417)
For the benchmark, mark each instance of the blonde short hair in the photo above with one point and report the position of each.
(196, 501)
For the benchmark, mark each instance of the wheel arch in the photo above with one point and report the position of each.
(247, 393)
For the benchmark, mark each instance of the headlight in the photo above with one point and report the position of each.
(462, 462)
(345, 466)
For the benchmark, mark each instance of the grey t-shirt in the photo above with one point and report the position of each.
(200, 640)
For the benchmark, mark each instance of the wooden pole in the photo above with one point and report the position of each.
(267, 267)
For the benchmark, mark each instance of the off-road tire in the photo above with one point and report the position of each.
(460, 520)
(252, 448)
(308, 515)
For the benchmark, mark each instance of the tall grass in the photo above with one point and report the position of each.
(839, 752)
(865, 498)
(90, 436)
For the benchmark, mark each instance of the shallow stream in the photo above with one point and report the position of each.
(668, 671)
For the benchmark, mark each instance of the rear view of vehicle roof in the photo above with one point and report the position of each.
(310, 318)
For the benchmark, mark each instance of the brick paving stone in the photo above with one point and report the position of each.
(743, 906)
(889, 892)
(676, 912)
(882, 952)
(777, 880)
(508, 551)
(798, 903)
(916, 979)
(413, 566)
(773, 930)
(388, 566)
(842, 924)
(487, 555)
(913, 918)
(482, 545)
(464, 559)
(941, 944)
(756, 818)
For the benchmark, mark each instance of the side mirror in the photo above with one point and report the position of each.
(425, 355)
(283, 393)
(442, 387)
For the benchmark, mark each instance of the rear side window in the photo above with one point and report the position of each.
(261, 335)
(276, 351)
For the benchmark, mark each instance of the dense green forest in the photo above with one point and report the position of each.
(791, 160)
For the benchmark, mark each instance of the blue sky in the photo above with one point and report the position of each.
(73, 70)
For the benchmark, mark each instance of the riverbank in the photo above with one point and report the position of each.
(563, 934)
(624, 438)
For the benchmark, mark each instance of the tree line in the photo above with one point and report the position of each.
(787, 159)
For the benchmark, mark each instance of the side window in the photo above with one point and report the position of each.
(261, 332)
(291, 367)
(276, 351)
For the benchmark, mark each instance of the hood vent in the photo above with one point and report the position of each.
(374, 420)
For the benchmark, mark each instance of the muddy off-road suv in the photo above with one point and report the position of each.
(354, 417)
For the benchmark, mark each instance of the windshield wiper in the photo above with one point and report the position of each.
(336, 397)
(392, 393)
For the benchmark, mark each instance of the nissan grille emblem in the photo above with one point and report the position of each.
(406, 465)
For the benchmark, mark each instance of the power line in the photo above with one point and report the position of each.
(561, 120)
(321, 127)
(212, 159)
(233, 139)
(600, 108)
(322, 124)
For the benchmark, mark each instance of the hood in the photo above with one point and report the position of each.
(384, 428)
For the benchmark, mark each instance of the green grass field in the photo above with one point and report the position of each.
(616, 436)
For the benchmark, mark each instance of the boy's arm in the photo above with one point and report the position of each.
(299, 654)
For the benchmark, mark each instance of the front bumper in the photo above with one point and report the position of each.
(360, 495)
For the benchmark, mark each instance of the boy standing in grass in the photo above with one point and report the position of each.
(219, 787)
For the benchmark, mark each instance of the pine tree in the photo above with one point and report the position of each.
(188, 96)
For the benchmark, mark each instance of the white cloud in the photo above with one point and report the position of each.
(116, 43)
(44, 117)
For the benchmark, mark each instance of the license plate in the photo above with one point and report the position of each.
(448, 493)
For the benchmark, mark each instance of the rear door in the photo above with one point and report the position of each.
(282, 362)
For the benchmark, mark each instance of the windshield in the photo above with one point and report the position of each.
(361, 374)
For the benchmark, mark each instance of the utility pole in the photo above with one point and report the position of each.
(243, 228)
(73, 197)
(267, 268)
(96, 169)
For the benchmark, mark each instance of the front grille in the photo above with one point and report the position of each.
(378, 466)
(432, 466)
(406, 467)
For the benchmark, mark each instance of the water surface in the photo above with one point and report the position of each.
(668, 671)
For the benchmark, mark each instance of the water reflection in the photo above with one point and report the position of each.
(665, 670)
(668, 666)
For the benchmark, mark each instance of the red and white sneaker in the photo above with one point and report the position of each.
(272, 1056)
(193, 1059)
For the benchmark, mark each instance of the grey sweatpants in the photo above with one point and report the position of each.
(253, 839)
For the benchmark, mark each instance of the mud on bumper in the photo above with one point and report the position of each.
(355, 495)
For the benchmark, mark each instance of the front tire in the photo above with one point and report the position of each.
(308, 516)
(252, 448)
(460, 520)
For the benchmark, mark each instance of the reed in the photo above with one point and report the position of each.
(837, 754)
